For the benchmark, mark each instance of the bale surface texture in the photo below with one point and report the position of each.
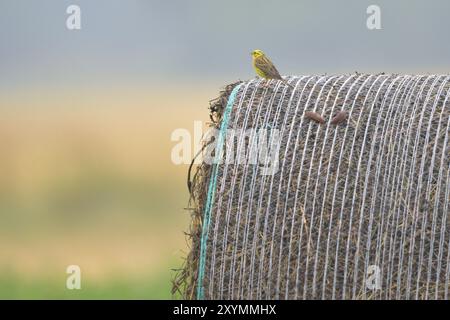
(355, 210)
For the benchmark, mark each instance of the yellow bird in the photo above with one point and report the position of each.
(265, 68)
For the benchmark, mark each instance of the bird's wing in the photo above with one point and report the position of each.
(265, 65)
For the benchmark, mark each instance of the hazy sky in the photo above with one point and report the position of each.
(140, 41)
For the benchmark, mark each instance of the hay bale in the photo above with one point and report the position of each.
(355, 210)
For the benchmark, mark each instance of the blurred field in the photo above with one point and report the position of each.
(86, 178)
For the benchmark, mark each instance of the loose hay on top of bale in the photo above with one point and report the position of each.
(354, 210)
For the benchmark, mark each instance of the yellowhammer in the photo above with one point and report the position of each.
(265, 68)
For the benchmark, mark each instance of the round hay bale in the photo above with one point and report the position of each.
(354, 208)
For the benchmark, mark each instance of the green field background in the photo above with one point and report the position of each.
(94, 187)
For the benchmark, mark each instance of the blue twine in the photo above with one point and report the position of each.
(211, 192)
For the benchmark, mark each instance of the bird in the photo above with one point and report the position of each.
(265, 68)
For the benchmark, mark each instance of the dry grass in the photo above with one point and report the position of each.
(356, 194)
